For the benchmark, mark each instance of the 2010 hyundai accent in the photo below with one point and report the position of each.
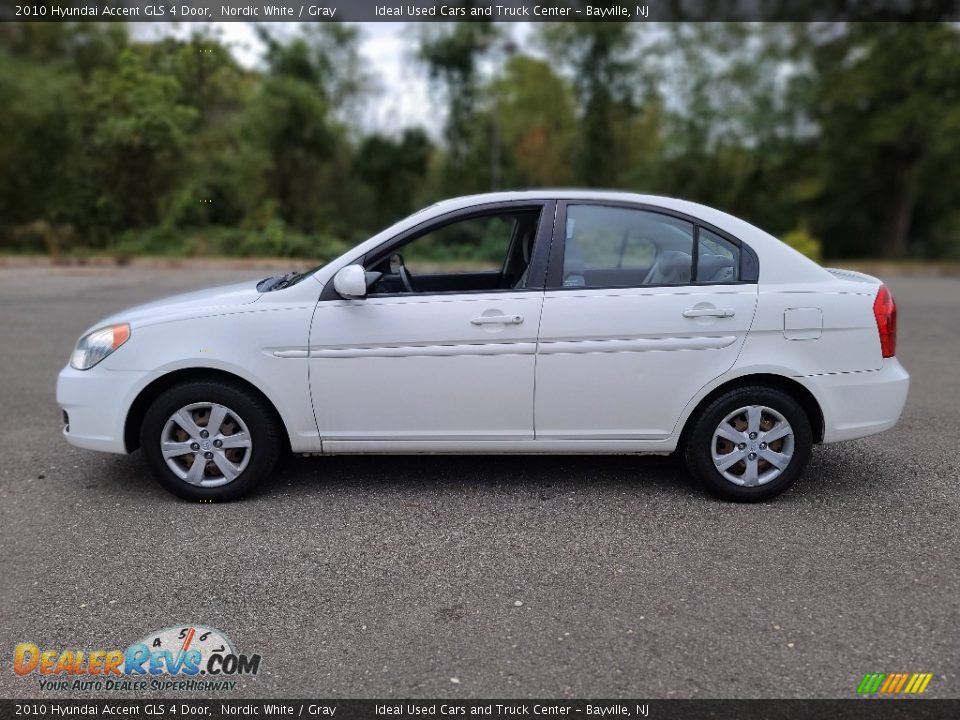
(574, 322)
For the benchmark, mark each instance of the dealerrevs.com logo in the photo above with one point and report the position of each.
(186, 658)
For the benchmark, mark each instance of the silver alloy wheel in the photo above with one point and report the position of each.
(752, 446)
(206, 444)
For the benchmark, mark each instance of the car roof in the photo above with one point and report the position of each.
(569, 194)
(705, 213)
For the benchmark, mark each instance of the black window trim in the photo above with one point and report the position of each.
(749, 270)
(536, 278)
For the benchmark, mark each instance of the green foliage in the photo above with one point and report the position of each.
(40, 237)
(802, 241)
(38, 141)
(843, 139)
(538, 125)
(451, 53)
(392, 168)
(888, 106)
(274, 240)
(479, 241)
(598, 57)
(135, 132)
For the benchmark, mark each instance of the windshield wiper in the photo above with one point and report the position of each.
(277, 282)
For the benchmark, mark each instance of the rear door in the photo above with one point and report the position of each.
(643, 308)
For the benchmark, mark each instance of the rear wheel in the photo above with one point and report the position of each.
(749, 444)
(210, 440)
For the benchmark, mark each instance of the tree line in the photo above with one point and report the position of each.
(841, 138)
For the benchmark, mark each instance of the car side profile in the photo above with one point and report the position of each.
(566, 322)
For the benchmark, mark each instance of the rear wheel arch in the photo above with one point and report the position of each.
(796, 390)
(138, 409)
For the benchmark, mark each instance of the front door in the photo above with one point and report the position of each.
(633, 327)
(443, 347)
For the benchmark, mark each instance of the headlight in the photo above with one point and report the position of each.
(95, 346)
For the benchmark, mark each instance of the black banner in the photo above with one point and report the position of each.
(460, 10)
(855, 709)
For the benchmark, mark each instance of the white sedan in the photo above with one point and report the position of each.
(520, 322)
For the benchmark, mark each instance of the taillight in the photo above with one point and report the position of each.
(885, 311)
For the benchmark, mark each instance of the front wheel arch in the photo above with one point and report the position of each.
(794, 389)
(138, 409)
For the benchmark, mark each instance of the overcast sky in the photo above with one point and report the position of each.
(403, 95)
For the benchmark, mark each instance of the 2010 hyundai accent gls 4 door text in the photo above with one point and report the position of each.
(573, 322)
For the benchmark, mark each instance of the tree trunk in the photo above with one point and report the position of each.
(898, 214)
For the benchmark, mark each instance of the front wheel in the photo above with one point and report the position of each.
(749, 444)
(210, 440)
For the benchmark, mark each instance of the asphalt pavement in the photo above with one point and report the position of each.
(486, 576)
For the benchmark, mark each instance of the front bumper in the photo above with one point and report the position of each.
(857, 404)
(95, 403)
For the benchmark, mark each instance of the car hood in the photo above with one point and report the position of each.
(212, 301)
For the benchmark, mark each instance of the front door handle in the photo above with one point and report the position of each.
(498, 320)
(709, 312)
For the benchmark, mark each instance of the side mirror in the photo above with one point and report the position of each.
(351, 282)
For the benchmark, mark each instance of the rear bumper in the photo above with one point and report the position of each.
(857, 404)
(95, 402)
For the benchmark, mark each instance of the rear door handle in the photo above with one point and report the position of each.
(709, 312)
(498, 320)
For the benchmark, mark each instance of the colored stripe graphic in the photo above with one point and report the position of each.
(927, 677)
(894, 683)
(870, 683)
(889, 682)
(898, 685)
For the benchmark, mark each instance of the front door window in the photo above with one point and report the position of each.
(477, 254)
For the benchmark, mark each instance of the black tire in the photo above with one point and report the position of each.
(699, 444)
(250, 410)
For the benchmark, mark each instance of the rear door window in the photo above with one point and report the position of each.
(622, 247)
